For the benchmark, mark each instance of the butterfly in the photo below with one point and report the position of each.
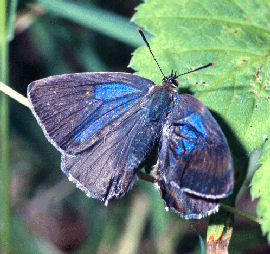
(105, 124)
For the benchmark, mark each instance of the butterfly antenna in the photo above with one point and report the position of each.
(197, 69)
(147, 44)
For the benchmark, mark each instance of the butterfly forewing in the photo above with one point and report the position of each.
(108, 168)
(76, 110)
(110, 121)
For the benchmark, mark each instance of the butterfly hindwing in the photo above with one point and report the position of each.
(194, 154)
(75, 110)
(186, 205)
(108, 168)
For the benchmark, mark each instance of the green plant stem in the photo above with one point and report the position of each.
(11, 19)
(240, 213)
(4, 135)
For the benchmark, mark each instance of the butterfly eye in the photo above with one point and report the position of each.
(174, 82)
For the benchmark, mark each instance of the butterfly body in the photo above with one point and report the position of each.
(105, 125)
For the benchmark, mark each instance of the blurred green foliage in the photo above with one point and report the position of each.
(53, 37)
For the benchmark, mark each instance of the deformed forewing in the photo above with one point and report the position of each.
(194, 154)
(75, 110)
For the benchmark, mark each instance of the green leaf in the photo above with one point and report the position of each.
(260, 189)
(235, 35)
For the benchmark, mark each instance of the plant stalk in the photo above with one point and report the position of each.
(240, 213)
(4, 133)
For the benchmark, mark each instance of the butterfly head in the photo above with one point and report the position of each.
(170, 80)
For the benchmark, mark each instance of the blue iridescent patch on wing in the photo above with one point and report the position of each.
(187, 143)
(187, 132)
(196, 122)
(106, 92)
(103, 116)
(185, 146)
